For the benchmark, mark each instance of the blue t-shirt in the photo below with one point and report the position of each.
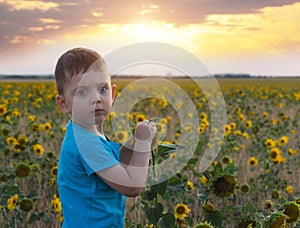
(86, 200)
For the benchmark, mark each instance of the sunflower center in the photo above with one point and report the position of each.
(273, 154)
(180, 210)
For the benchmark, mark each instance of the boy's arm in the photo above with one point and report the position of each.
(126, 151)
(129, 179)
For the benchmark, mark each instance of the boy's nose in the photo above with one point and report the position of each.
(96, 98)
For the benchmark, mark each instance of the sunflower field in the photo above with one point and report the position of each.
(253, 182)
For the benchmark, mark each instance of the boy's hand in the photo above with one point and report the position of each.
(145, 131)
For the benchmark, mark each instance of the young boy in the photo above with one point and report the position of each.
(94, 174)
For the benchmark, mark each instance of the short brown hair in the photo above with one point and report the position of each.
(75, 61)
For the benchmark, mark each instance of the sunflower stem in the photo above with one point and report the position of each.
(202, 211)
(153, 163)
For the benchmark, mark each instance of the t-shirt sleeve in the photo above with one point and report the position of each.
(96, 154)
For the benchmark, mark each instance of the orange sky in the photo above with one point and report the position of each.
(254, 37)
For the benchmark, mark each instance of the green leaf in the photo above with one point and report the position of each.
(218, 170)
(155, 120)
(215, 218)
(192, 161)
(168, 220)
(204, 195)
(132, 208)
(230, 168)
(248, 208)
(154, 213)
(11, 189)
(160, 188)
(149, 194)
(35, 217)
(175, 184)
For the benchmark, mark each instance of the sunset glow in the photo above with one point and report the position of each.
(245, 37)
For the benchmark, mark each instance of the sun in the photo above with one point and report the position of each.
(154, 30)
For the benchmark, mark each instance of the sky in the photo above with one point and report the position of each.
(257, 37)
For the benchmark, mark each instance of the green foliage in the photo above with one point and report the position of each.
(272, 106)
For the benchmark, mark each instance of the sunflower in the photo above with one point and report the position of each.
(267, 204)
(10, 140)
(238, 110)
(292, 151)
(204, 225)
(15, 113)
(279, 160)
(248, 124)
(276, 220)
(275, 194)
(38, 149)
(209, 207)
(47, 126)
(41, 127)
(265, 115)
(201, 129)
(122, 136)
(4, 132)
(245, 135)
(53, 171)
(283, 140)
(60, 217)
(227, 129)
(214, 163)
(203, 179)
(241, 117)
(22, 170)
(224, 186)
(226, 160)
(181, 211)
(275, 153)
(269, 143)
(140, 118)
(188, 128)
(291, 209)
(22, 139)
(35, 127)
(160, 127)
(233, 125)
(284, 117)
(203, 116)
(246, 222)
(56, 204)
(3, 110)
(289, 189)
(26, 204)
(190, 185)
(163, 103)
(31, 118)
(17, 147)
(12, 202)
(252, 161)
(245, 188)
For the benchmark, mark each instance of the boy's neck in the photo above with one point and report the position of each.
(99, 129)
(96, 129)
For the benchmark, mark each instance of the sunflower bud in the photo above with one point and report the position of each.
(22, 170)
(26, 204)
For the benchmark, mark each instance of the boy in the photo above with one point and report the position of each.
(94, 174)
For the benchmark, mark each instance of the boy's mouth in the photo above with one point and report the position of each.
(98, 111)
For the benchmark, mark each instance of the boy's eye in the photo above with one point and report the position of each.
(102, 89)
(81, 92)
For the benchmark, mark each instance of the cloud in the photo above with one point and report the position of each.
(30, 23)
(16, 5)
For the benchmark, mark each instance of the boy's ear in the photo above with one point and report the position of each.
(60, 101)
(113, 89)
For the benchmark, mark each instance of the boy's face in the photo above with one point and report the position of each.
(88, 97)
